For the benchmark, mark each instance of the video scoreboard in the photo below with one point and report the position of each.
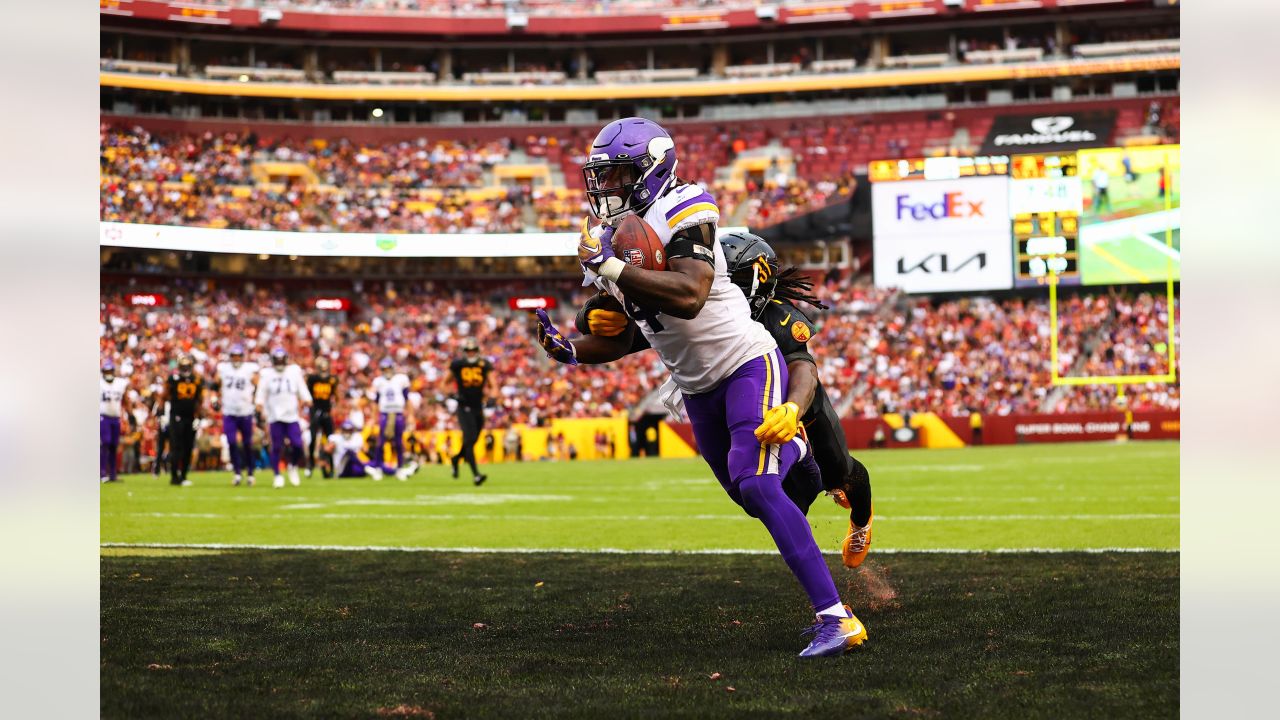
(1045, 201)
(1087, 217)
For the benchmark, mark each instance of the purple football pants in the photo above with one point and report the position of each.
(352, 467)
(724, 422)
(108, 444)
(238, 430)
(281, 431)
(393, 432)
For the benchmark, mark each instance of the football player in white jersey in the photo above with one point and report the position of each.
(392, 390)
(345, 446)
(281, 391)
(235, 388)
(113, 402)
(727, 367)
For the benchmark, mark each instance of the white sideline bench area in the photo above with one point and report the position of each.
(1030, 54)
(630, 76)
(138, 66)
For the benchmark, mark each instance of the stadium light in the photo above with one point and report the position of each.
(377, 112)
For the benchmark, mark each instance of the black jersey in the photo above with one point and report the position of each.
(471, 377)
(184, 395)
(322, 388)
(790, 328)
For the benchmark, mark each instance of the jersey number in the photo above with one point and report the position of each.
(472, 376)
(640, 315)
(281, 386)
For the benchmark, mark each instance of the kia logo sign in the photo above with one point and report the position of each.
(535, 302)
(1052, 124)
(333, 304)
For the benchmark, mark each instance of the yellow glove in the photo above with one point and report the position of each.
(606, 323)
(780, 424)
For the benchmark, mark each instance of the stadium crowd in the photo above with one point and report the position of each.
(877, 350)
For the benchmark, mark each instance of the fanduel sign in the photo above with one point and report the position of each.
(1011, 134)
(942, 235)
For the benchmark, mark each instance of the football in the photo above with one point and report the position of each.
(637, 244)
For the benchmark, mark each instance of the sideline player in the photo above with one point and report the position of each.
(281, 388)
(113, 402)
(728, 368)
(345, 447)
(473, 374)
(322, 385)
(392, 391)
(184, 392)
(235, 388)
(753, 267)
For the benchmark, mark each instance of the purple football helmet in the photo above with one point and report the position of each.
(387, 363)
(632, 161)
(108, 367)
(279, 357)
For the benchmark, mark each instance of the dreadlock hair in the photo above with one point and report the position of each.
(794, 285)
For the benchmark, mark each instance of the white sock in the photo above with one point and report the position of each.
(836, 610)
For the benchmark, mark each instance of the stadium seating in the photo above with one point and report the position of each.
(231, 179)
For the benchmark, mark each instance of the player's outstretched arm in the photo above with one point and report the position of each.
(590, 349)
(782, 422)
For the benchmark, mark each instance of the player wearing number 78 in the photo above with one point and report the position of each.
(727, 367)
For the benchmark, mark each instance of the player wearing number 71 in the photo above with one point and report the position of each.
(727, 367)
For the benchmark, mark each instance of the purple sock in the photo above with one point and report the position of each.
(763, 498)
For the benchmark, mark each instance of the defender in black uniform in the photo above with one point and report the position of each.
(323, 385)
(472, 373)
(184, 391)
(753, 267)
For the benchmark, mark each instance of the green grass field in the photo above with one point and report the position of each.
(1024, 632)
(1067, 496)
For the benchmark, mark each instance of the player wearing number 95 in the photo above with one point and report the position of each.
(727, 367)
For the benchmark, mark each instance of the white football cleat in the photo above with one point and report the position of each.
(278, 482)
(105, 479)
(235, 481)
(375, 473)
(187, 483)
(307, 472)
(294, 480)
(250, 481)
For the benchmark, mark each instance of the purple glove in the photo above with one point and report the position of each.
(553, 342)
(595, 245)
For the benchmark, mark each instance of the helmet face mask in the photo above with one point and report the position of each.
(471, 348)
(322, 364)
(631, 162)
(753, 267)
(186, 366)
(279, 357)
(108, 371)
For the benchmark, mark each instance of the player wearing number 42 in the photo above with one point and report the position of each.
(727, 367)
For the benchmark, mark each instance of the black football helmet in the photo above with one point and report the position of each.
(753, 266)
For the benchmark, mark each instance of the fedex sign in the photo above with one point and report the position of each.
(952, 205)
(942, 235)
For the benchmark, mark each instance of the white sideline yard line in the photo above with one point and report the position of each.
(621, 551)
(627, 518)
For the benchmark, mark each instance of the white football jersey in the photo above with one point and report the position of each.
(391, 392)
(280, 391)
(345, 448)
(110, 394)
(236, 388)
(701, 352)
